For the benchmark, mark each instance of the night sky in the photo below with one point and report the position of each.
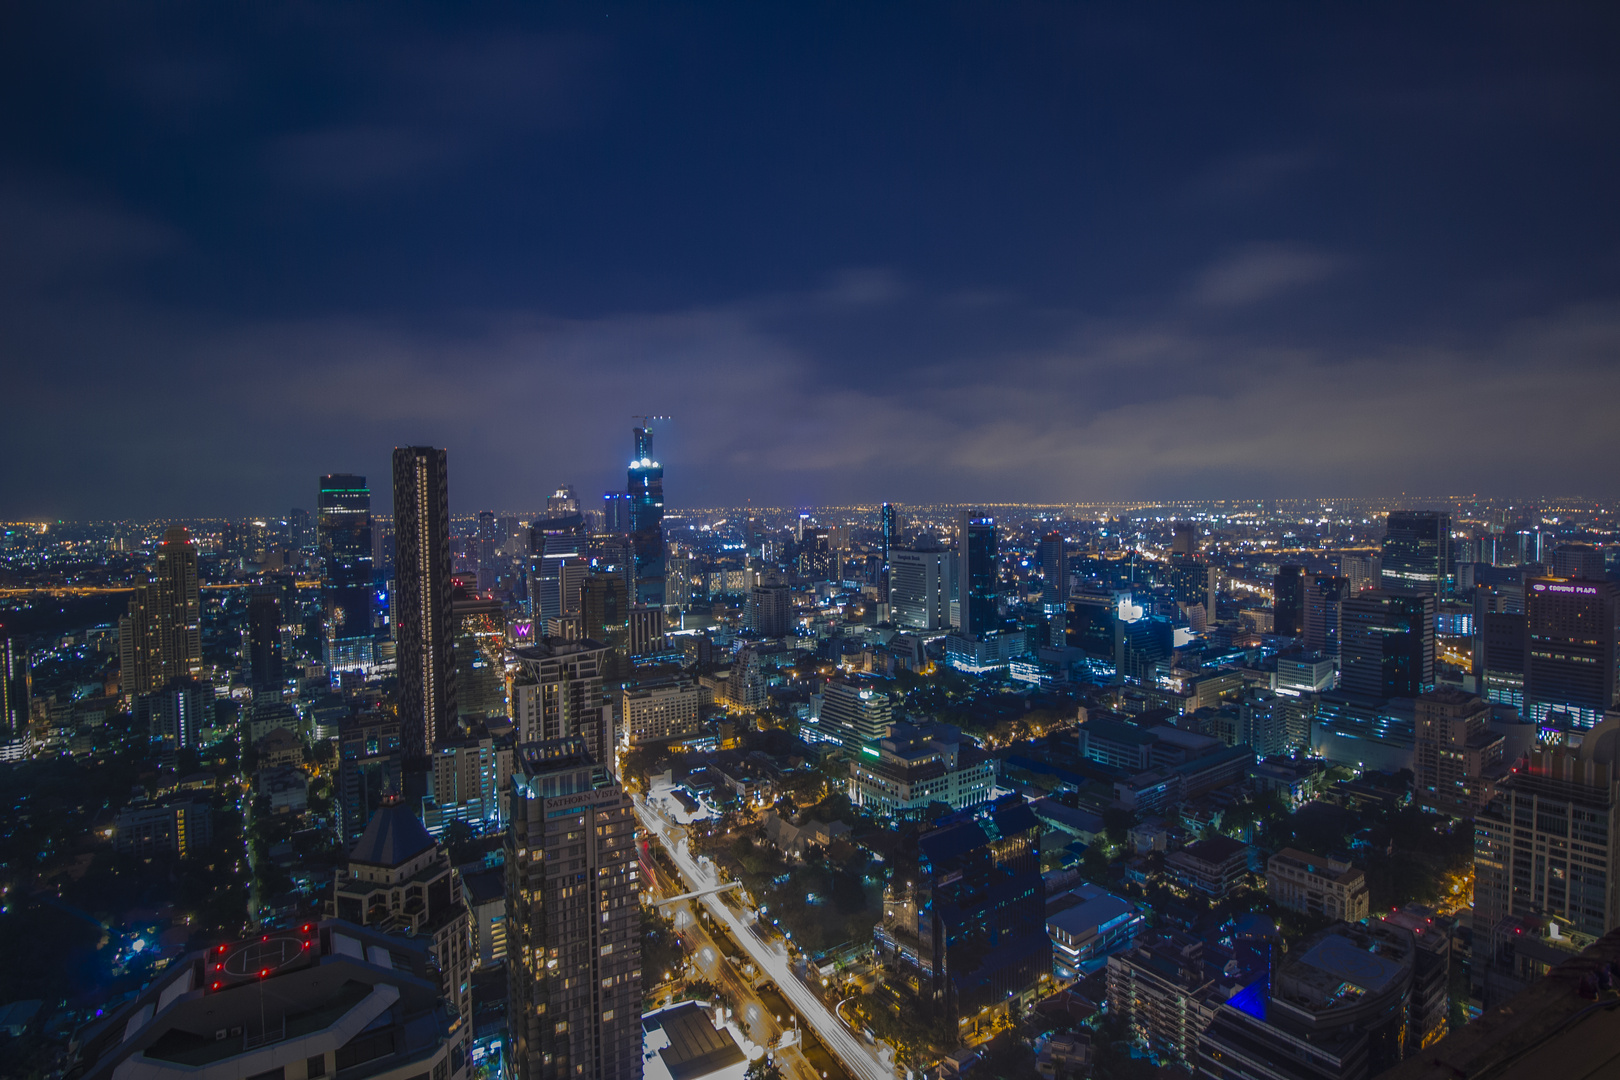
(926, 253)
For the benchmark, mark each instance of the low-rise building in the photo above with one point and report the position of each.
(176, 827)
(287, 789)
(1215, 867)
(915, 765)
(1115, 742)
(1085, 925)
(1315, 885)
(1167, 988)
(280, 746)
(660, 711)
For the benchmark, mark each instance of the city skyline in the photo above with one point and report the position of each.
(1064, 540)
(1052, 255)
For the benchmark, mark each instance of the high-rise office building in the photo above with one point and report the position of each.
(1499, 656)
(1183, 540)
(1578, 561)
(264, 638)
(573, 919)
(558, 561)
(605, 617)
(1455, 753)
(1387, 647)
(1545, 845)
(887, 526)
(1092, 625)
(348, 585)
(424, 620)
(1417, 551)
(919, 587)
(558, 695)
(615, 512)
(1570, 657)
(300, 529)
(1054, 571)
(16, 692)
(977, 914)
(160, 639)
(1288, 601)
(1361, 571)
(770, 610)
(488, 539)
(979, 588)
(1324, 594)
(855, 711)
(176, 714)
(370, 760)
(646, 493)
(562, 502)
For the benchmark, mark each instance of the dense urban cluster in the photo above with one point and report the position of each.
(1291, 789)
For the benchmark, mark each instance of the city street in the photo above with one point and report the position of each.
(860, 1059)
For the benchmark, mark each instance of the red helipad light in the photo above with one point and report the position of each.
(306, 944)
(219, 967)
(264, 974)
(216, 986)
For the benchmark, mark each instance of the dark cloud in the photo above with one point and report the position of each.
(1008, 253)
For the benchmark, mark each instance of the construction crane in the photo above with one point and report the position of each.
(645, 419)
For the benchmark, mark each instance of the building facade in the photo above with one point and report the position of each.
(421, 606)
(559, 696)
(573, 919)
(1548, 844)
(1330, 888)
(1571, 628)
(399, 881)
(1387, 647)
(348, 589)
(1417, 552)
(660, 711)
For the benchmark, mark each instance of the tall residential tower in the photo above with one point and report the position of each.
(421, 604)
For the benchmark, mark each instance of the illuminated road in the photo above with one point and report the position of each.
(851, 1052)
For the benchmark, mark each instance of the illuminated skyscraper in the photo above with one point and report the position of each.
(615, 512)
(1417, 551)
(1288, 601)
(16, 686)
(573, 918)
(1324, 594)
(423, 617)
(489, 540)
(160, 639)
(264, 639)
(343, 536)
(1387, 644)
(919, 586)
(978, 586)
(887, 526)
(1570, 654)
(560, 556)
(646, 492)
(1054, 572)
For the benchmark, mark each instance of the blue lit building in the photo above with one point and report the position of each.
(343, 537)
(982, 908)
(646, 496)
